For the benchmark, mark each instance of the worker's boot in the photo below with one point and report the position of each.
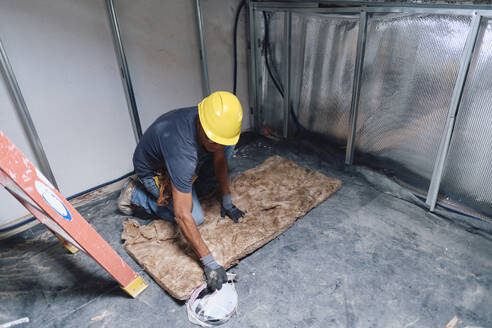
(125, 200)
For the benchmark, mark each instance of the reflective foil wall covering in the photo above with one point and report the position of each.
(326, 73)
(468, 174)
(410, 68)
(322, 69)
(271, 100)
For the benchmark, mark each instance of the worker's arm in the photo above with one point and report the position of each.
(222, 172)
(214, 272)
(182, 211)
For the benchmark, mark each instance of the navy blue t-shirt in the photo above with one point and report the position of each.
(171, 141)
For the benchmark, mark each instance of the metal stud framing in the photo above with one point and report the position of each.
(363, 9)
(453, 109)
(257, 45)
(203, 50)
(31, 131)
(288, 50)
(125, 71)
(252, 74)
(354, 107)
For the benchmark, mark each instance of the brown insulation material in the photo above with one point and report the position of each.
(273, 195)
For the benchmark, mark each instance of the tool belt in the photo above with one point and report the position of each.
(163, 183)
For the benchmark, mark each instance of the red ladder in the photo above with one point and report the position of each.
(31, 188)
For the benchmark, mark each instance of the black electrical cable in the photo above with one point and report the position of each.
(276, 81)
(278, 85)
(236, 20)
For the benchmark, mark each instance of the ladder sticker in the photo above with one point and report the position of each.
(43, 178)
(52, 199)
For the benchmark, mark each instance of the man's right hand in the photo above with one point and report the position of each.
(229, 209)
(214, 273)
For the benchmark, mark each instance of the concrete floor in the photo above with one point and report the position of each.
(363, 258)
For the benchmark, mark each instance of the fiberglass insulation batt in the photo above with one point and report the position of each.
(272, 195)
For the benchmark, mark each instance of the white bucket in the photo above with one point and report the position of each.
(213, 309)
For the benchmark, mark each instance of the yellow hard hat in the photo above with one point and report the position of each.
(221, 115)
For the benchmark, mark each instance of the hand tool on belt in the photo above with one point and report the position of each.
(164, 185)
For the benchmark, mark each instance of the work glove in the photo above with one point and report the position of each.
(229, 209)
(214, 273)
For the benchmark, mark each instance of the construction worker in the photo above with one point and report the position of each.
(175, 162)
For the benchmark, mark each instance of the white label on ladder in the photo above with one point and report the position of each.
(52, 199)
(43, 178)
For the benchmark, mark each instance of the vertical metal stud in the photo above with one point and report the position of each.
(287, 69)
(453, 109)
(354, 107)
(252, 63)
(203, 50)
(125, 71)
(26, 118)
(258, 75)
(298, 77)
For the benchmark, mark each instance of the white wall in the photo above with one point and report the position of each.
(63, 57)
(11, 126)
(162, 46)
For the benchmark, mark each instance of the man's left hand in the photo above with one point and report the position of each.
(230, 210)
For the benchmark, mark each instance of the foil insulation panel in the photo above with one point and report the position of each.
(322, 70)
(271, 100)
(325, 73)
(468, 173)
(410, 68)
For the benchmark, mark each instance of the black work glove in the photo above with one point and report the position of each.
(214, 273)
(230, 210)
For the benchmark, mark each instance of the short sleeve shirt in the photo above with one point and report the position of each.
(171, 142)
